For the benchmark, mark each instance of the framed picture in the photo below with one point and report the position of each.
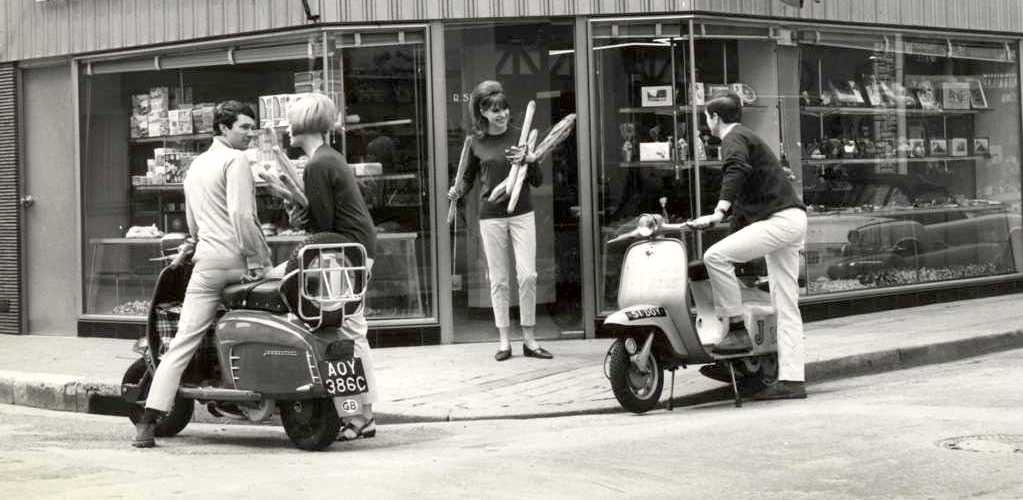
(846, 93)
(982, 147)
(926, 94)
(716, 89)
(939, 147)
(960, 147)
(654, 151)
(873, 91)
(656, 95)
(977, 98)
(955, 95)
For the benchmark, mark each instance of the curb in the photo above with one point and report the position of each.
(70, 393)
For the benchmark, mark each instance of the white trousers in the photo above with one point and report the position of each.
(518, 233)
(778, 239)
(199, 309)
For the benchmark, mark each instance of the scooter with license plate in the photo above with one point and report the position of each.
(274, 348)
(666, 320)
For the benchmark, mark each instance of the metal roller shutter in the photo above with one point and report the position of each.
(10, 208)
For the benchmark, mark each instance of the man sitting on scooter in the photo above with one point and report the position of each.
(220, 205)
(769, 222)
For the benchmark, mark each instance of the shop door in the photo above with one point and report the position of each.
(51, 280)
(533, 62)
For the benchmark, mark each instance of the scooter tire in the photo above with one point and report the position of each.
(174, 421)
(310, 424)
(622, 373)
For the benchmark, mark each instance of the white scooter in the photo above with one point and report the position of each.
(666, 320)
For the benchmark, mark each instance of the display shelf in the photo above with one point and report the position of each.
(390, 177)
(836, 110)
(172, 138)
(386, 123)
(685, 108)
(173, 187)
(669, 164)
(889, 161)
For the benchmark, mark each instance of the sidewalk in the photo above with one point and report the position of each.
(463, 382)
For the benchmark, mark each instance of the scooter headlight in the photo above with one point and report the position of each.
(630, 345)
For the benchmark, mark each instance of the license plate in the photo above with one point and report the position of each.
(343, 377)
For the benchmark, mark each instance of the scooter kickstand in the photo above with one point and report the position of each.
(735, 388)
(671, 393)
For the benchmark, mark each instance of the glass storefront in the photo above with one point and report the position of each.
(141, 128)
(910, 159)
(533, 62)
(905, 147)
(654, 151)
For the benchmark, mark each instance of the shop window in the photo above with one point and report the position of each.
(142, 127)
(910, 165)
(654, 151)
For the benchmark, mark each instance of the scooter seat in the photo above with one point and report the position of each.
(262, 295)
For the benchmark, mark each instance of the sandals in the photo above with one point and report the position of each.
(351, 431)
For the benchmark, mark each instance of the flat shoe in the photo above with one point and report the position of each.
(540, 352)
(503, 354)
(351, 432)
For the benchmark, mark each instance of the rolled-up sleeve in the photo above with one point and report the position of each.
(241, 208)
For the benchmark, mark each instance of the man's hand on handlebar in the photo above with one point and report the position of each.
(705, 221)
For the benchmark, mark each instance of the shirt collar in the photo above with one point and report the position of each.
(728, 129)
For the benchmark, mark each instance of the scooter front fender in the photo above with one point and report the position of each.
(649, 317)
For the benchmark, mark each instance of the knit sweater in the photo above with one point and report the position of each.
(488, 164)
(753, 180)
(335, 202)
(220, 204)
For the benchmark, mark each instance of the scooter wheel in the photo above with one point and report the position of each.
(311, 424)
(173, 422)
(636, 391)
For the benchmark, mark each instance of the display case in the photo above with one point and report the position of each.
(906, 157)
(142, 128)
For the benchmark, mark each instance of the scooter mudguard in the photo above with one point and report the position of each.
(651, 318)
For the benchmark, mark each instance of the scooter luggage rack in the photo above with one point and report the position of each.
(338, 284)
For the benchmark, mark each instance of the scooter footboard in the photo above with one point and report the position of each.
(641, 319)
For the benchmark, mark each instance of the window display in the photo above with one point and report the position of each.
(142, 129)
(655, 152)
(910, 174)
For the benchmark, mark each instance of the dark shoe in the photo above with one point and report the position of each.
(351, 432)
(540, 352)
(736, 341)
(503, 354)
(145, 435)
(716, 371)
(782, 389)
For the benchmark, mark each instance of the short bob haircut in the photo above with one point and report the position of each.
(312, 114)
(487, 95)
(226, 113)
(727, 106)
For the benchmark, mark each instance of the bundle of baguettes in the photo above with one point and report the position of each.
(504, 187)
(558, 133)
(284, 179)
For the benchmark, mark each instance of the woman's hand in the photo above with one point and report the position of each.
(518, 154)
(707, 220)
(453, 193)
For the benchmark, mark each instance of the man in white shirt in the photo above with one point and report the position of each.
(220, 203)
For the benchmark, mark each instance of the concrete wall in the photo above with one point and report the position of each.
(34, 29)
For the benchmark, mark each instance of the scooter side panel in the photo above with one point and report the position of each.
(266, 353)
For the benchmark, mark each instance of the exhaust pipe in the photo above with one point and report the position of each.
(214, 393)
